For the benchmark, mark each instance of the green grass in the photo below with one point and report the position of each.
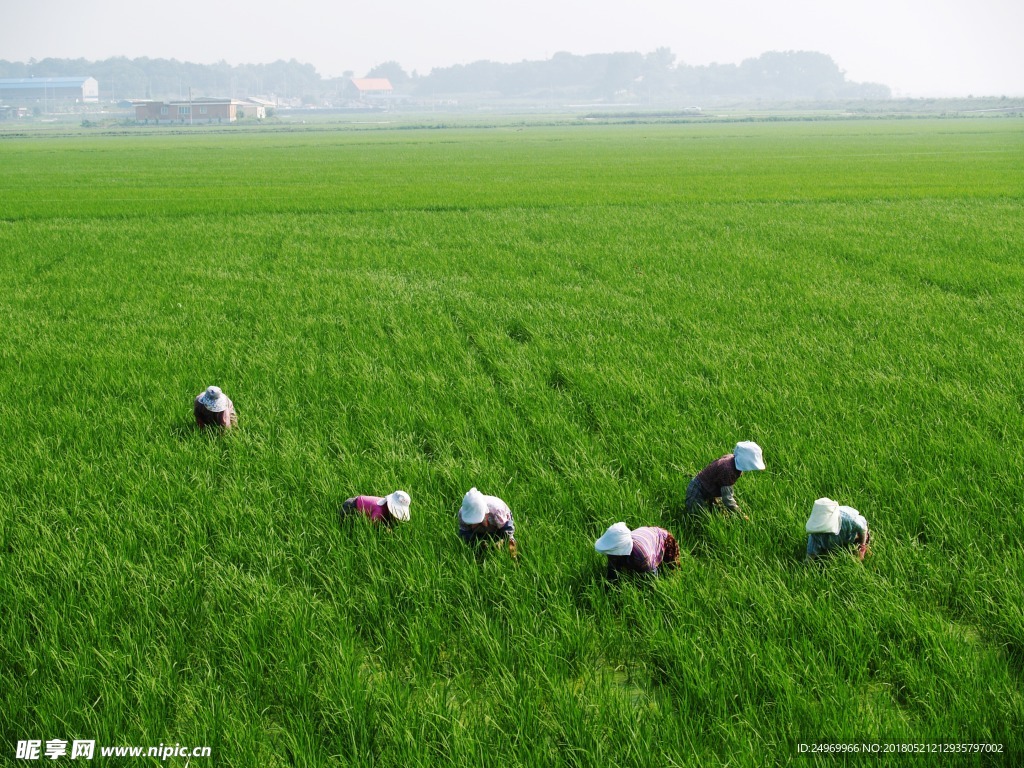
(575, 319)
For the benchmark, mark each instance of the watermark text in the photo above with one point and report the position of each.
(81, 749)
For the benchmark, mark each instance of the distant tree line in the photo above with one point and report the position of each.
(774, 76)
(651, 77)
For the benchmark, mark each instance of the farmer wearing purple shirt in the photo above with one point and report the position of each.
(486, 518)
(641, 551)
(380, 509)
(212, 408)
(716, 480)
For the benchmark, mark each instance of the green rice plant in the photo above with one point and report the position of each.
(574, 318)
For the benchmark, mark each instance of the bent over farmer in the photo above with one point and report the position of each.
(486, 518)
(212, 408)
(640, 551)
(388, 510)
(717, 479)
(832, 527)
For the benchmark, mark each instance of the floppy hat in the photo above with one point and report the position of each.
(398, 504)
(616, 541)
(825, 517)
(748, 456)
(214, 400)
(474, 507)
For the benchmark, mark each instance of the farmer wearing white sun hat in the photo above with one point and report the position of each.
(716, 480)
(486, 518)
(832, 527)
(640, 551)
(212, 408)
(390, 509)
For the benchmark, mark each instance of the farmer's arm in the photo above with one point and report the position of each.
(729, 499)
(862, 544)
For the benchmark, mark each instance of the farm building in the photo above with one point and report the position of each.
(46, 91)
(200, 110)
(372, 87)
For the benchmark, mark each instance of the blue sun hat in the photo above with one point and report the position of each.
(214, 400)
(748, 456)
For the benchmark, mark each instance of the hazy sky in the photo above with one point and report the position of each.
(917, 47)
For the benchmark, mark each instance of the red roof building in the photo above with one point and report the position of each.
(372, 86)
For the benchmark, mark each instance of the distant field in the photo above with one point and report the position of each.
(575, 319)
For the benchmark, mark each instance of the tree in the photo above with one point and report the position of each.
(391, 70)
(791, 75)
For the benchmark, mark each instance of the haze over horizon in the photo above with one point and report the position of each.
(919, 48)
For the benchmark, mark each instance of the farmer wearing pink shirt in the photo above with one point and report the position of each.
(388, 510)
(640, 551)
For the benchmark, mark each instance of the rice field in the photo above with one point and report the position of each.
(574, 318)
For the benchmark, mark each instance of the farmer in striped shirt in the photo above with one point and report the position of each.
(390, 509)
(486, 518)
(716, 480)
(641, 551)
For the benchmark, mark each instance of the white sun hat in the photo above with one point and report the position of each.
(825, 517)
(214, 400)
(748, 456)
(616, 541)
(474, 507)
(398, 505)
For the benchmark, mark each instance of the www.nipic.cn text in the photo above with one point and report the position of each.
(52, 749)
